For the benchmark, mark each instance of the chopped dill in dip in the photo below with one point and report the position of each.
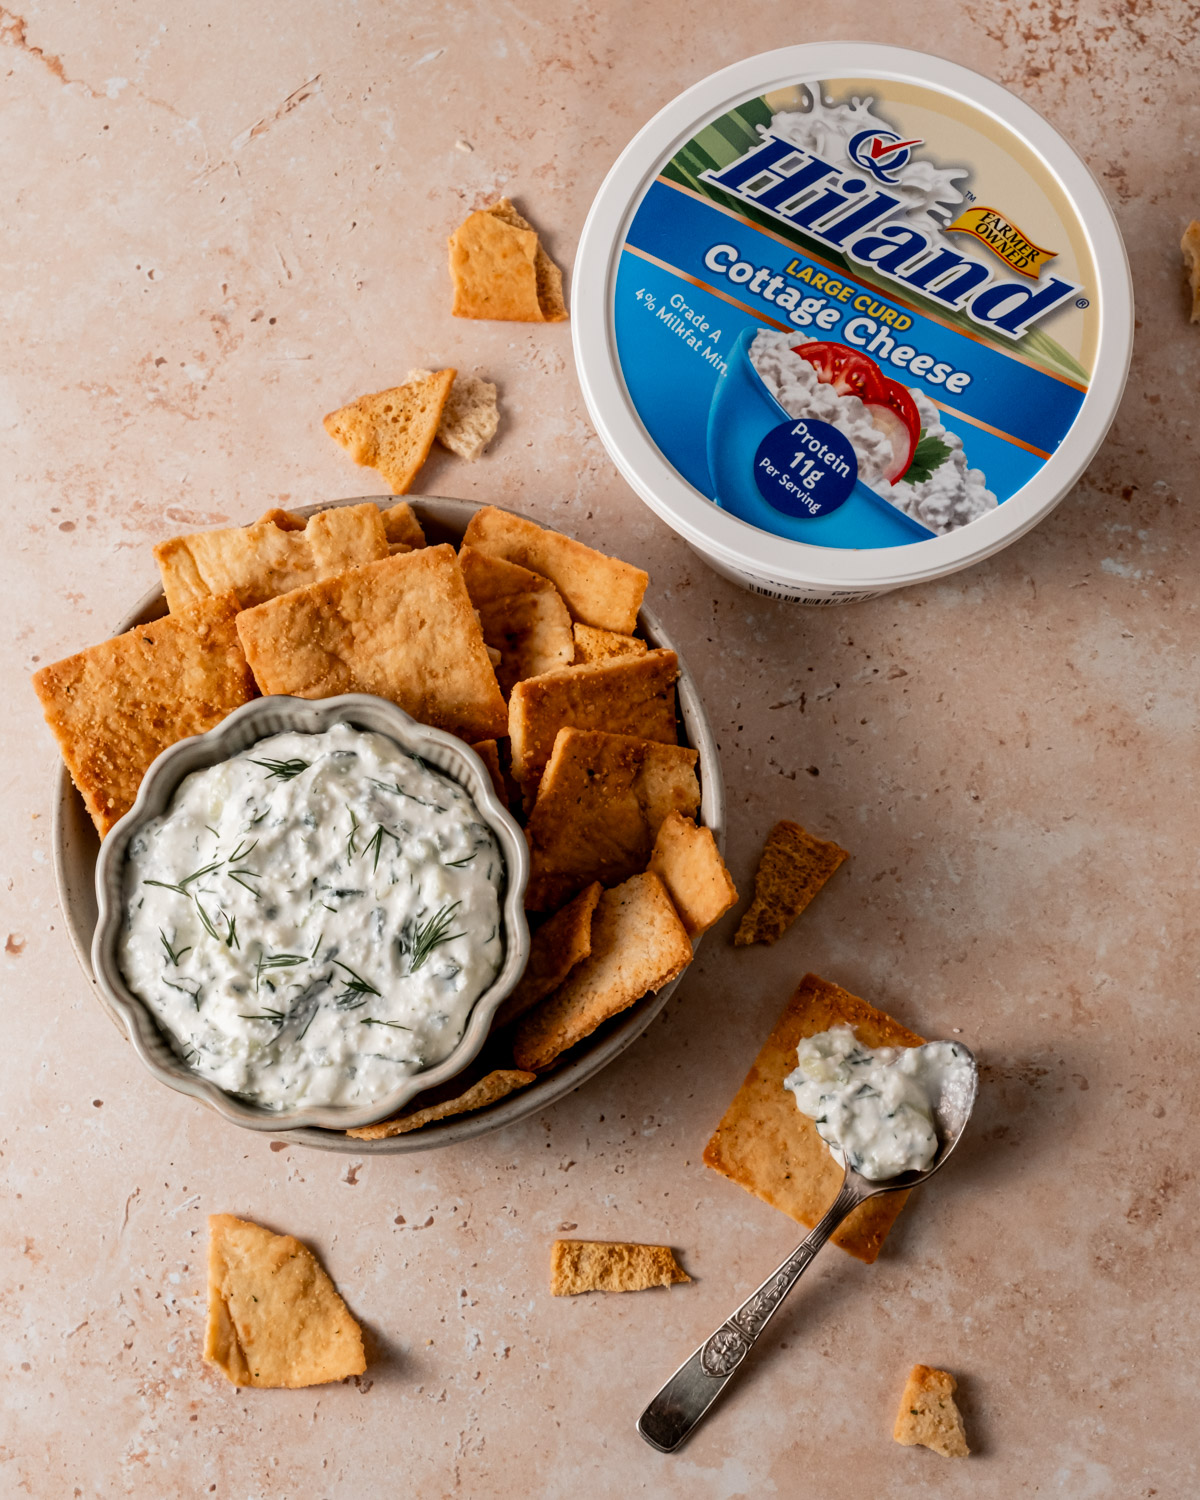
(312, 920)
(875, 1105)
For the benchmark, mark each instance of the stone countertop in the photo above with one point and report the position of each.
(222, 221)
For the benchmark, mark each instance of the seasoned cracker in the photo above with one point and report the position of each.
(488, 752)
(793, 868)
(549, 278)
(522, 616)
(602, 645)
(392, 431)
(766, 1145)
(1190, 245)
(554, 950)
(487, 1090)
(470, 416)
(597, 589)
(270, 557)
(601, 1266)
(402, 628)
(116, 706)
(274, 1316)
(600, 804)
(625, 695)
(493, 267)
(401, 527)
(928, 1414)
(687, 861)
(638, 945)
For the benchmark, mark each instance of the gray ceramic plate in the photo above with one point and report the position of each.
(76, 848)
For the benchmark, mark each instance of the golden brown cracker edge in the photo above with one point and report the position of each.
(489, 1089)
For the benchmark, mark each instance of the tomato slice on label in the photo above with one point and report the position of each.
(849, 371)
(896, 416)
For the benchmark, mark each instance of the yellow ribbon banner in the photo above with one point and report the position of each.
(1003, 238)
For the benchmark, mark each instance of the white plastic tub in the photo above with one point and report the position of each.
(946, 263)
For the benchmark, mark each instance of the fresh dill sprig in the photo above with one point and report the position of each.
(376, 842)
(276, 1017)
(231, 937)
(457, 864)
(432, 934)
(196, 874)
(356, 991)
(254, 875)
(276, 961)
(370, 1021)
(285, 770)
(351, 851)
(173, 954)
(242, 850)
(208, 922)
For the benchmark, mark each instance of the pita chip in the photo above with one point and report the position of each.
(522, 617)
(470, 416)
(687, 861)
(493, 270)
(274, 1316)
(487, 1090)
(592, 645)
(767, 1146)
(1190, 245)
(599, 1266)
(555, 948)
(928, 1414)
(793, 868)
(401, 527)
(549, 278)
(392, 431)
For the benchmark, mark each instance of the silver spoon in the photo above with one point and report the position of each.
(697, 1383)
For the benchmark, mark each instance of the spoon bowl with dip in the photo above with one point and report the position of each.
(687, 1396)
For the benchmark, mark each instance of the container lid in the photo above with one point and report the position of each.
(849, 314)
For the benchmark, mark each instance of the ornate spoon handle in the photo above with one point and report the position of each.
(698, 1382)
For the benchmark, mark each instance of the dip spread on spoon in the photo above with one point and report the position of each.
(313, 919)
(874, 1107)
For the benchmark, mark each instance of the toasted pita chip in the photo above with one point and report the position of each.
(793, 868)
(400, 525)
(116, 706)
(470, 416)
(598, 590)
(599, 1266)
(487, 1090)
(600, 804)
(402, 628)
(274, 555)
(1190, 245)
(602, 645)
(392, 431)
(638, 945)
(626, 695)
(274, 1316)
(554, 950)
(488, 752)
(522, 617)
(928, 1414)
(549, 277)
(767, 1146)
(493, 269)
(286, 520)
(687, 861)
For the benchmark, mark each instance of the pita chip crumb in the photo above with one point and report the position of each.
(593, 645)
(689, 864)
(274, 1316)
(600, 1266)
(638, 945)
(928, 1414)
(554, 950)
(793, 868)
(488, 1090)
(1190, 245)
(392, 431)
(767, 1146)
(470, 416)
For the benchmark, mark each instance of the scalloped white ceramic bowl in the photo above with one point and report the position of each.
(76, 851)
(244, 727)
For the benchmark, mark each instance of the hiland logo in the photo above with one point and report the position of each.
(880, 152)
(807, 193)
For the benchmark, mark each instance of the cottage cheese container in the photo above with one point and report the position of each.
(849, 317)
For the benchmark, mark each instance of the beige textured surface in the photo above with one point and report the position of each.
(259, 233)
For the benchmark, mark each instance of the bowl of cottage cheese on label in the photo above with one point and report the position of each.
(312, 912)
(850, 317)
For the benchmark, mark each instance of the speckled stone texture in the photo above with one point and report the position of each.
(223, 220)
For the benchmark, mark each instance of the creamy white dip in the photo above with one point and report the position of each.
(313, 919)
(874, 1106)
(952, 495)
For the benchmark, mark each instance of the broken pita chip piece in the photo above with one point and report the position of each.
(638, 945)
(597, 589)
(793, 868)
(270, 557)
(1190, 245)
(470, 416)
(401, 527)
(600, 804)
(487, 1090)
(548, 276)
(687, 861)
(561, 942)
(493, 270)
(766, 1145)
(928, 1414)
(114, 707)
(402, 628)
(602, 1266)
(592, 645)
(392, 431)
(632, 695)
(488, 752)
(521, 614)
(274, 1316)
